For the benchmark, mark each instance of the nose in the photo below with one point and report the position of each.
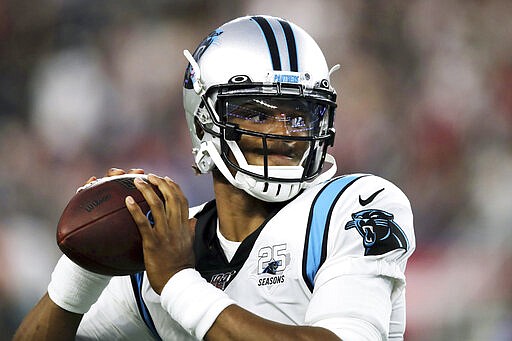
(281, 124)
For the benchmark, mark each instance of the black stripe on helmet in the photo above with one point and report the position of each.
(271, 41)
(292, 46)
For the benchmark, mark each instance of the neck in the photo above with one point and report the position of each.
(239, 213)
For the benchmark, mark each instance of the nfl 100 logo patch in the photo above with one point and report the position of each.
(222, 280)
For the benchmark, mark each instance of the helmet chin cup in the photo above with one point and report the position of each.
(280, 191)
(267, 191)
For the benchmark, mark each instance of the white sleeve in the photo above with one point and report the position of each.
(359, 289)
(114, 316)
(355, 304)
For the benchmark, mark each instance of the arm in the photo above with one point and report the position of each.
(71, 293)
(236, 323)
(48, 321)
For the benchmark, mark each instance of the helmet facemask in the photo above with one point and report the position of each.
(273, 136)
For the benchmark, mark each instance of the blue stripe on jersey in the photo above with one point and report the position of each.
(318, 225)
(143, 309)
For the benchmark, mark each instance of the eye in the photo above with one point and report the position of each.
(247, 113)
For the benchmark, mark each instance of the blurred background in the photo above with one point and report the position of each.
(425, 101)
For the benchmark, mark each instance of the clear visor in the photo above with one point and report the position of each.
(277, 116)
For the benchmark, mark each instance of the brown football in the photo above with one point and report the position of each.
(97, 231)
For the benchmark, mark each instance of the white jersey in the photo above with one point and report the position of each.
(333, 257)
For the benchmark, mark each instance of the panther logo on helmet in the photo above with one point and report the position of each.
(189, 72)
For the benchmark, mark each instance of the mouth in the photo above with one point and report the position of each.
(280, 150)
(282, 157)
(282, 154)
(274, 157)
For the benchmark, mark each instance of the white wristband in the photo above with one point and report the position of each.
(193, 302)
(73, 288)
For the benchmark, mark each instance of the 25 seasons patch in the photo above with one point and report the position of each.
(271, 264)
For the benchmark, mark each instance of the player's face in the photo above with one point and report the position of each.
(282, 117)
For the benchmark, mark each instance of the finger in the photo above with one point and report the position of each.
(136, 171)
(115, 171)
(155, 203)
(91, 179)
(171, 211)
(172, 195)
(180, 196)
(192, 225)
(138, 216)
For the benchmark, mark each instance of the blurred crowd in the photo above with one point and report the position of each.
(425, 100)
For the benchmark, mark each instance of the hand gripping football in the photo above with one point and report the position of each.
(97, 231)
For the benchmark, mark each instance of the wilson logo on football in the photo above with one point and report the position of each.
(90, 206)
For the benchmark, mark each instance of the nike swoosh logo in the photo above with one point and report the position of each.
(365, 202)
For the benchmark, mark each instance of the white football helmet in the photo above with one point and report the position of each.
(260, 107)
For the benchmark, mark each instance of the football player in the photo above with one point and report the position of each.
(286, 251)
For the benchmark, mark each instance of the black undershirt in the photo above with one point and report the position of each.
(210, 258)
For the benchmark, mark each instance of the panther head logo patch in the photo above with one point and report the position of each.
(272, 268)
(379, 231)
